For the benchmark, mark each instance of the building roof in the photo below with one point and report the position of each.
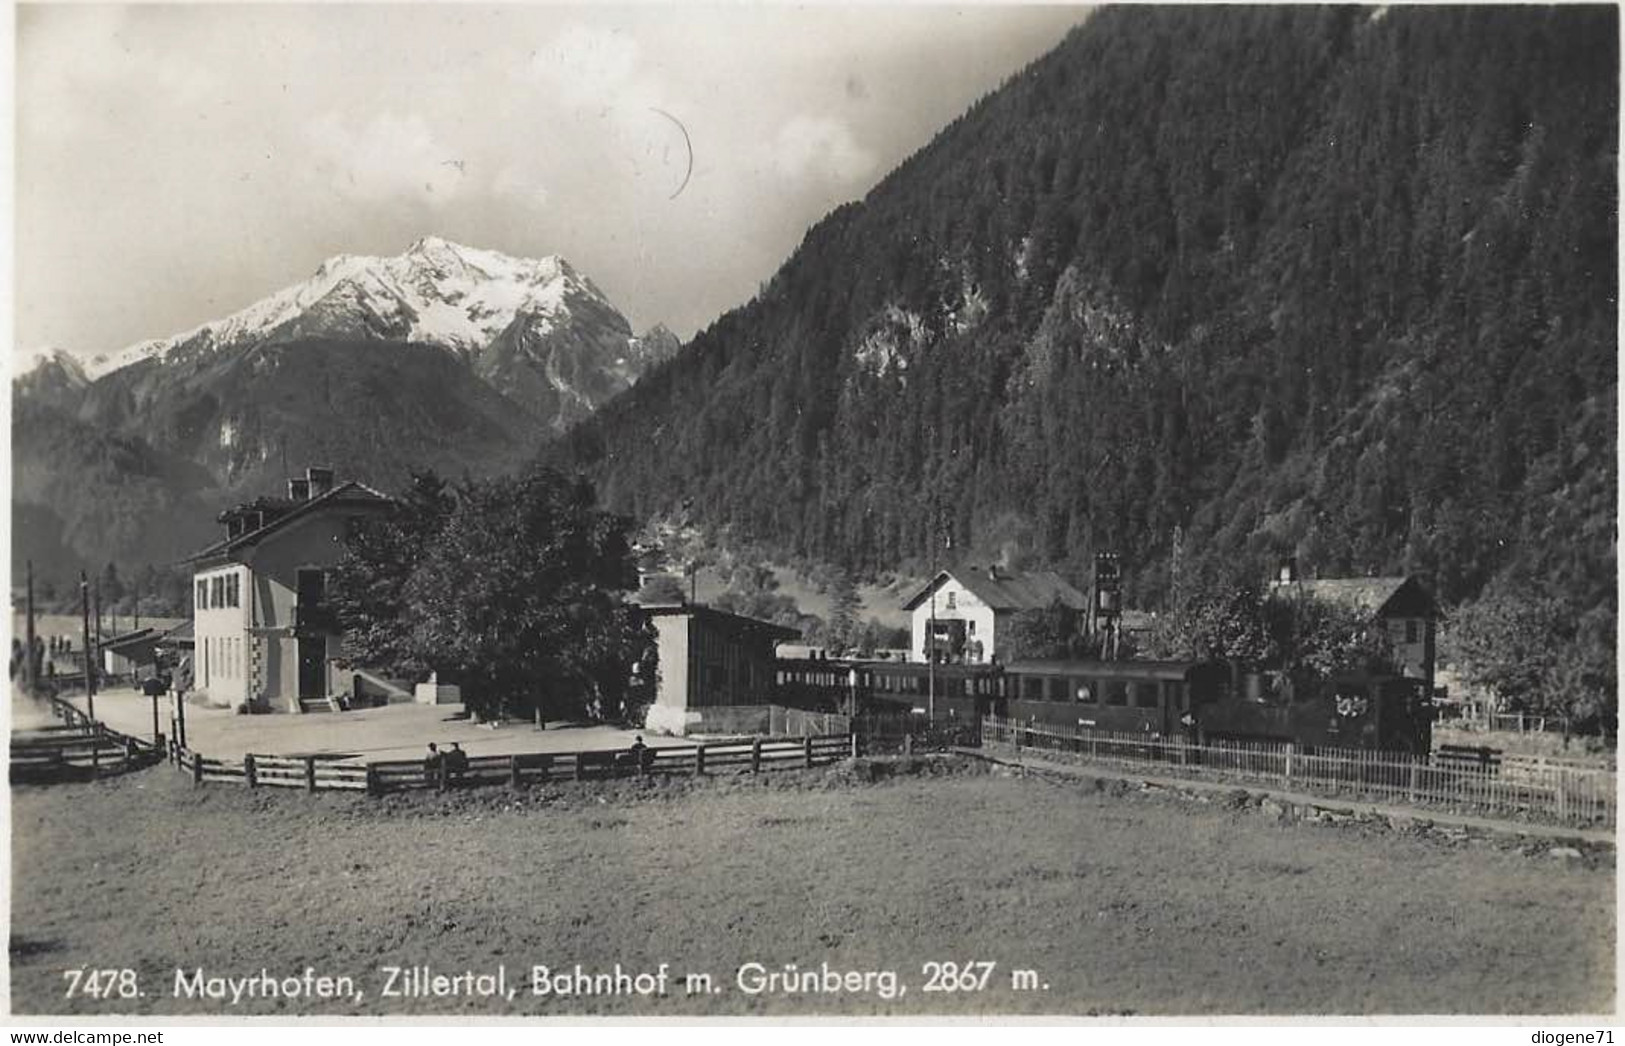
(180, 635)
(722, 618)
(133, 638)
(1002, 590)
(347, 494)
(1369, 595)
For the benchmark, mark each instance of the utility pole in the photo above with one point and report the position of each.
(96, 603)
(937, 534)
(29, 679)
(84, 610)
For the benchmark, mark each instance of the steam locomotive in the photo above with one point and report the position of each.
(1199, 700)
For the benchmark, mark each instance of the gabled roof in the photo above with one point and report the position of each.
(1368, 595)
(1007, 591)
(348, 494)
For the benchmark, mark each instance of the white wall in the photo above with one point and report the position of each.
(220, 644)
(955, 602)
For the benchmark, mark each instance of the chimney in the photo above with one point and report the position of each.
(320, 480)
(298, 490)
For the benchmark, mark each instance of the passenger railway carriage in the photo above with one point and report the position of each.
(1194, 699)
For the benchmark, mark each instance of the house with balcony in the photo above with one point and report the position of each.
(263, 633)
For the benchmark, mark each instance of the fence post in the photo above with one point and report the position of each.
(197, 767)
(513, 772)
(310, 772)
(129, 752)
(442, 774)
(374, 785)
(250, 772)
(854, 740)
(1290, 748)
(908, 744)
(699, 760)
(756, 755)
(806, 749)
(580, 766)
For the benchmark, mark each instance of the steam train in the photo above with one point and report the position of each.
(1200, 700)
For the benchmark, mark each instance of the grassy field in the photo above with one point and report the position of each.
(1122, 902)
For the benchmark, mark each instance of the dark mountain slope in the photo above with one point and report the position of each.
(1247, 282)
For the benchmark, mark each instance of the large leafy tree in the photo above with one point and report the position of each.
(515, 594)
(368, 587)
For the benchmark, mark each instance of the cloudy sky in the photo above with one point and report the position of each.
(176, 163)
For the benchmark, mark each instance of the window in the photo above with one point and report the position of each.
(1032, 688)
(1116, 693)
(1057, 688)
(202, 596)
(951, 600)
(1411, 630)
(1083, 691)
(1145, 695)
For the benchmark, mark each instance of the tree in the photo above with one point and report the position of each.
(1048, 632)
(367, 588)
(1320, 639)
(518, 598)
(843, 613)
(1536, 653)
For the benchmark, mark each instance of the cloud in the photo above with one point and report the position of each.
(585, 66)
(515, 184)
(81, 69)
(820, 147)
(388, 157)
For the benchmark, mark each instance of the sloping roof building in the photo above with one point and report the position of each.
(1402, 605)
(263, 633)
(960, 613)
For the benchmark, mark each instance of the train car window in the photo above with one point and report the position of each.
(1145, 695)
(1176, 695)
(1083, 691)
(1116, 693)
(1032, 688)
(1057, 688)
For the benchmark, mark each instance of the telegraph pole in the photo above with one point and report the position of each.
(90, 678)
(30, 682)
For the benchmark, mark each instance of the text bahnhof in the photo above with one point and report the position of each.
(420, 982)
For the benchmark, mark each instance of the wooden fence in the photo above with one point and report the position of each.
(79, 749)
(314, 773)
(1567, 794)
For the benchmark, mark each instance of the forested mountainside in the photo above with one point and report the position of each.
(1206, 287)
(1250, 281)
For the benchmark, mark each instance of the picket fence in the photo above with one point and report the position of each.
(1549, 791)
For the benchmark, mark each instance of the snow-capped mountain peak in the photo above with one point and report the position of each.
(437, 292)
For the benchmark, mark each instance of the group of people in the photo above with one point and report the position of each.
(453, 762)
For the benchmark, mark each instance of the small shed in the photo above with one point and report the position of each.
(709, 658)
